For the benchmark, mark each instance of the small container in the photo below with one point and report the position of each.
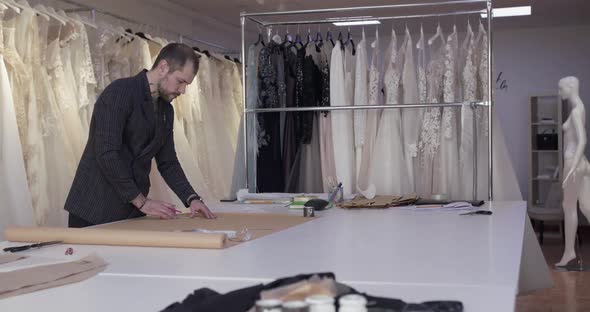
(353, 303)
(308, 212)
(295, 306)
(269, 305)
(320, 303)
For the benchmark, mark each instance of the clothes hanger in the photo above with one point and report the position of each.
(288, 37)
(420, 44)
(23, 4)
(480, 32)
(276, 38)
(41, 8)
(298, 39)
(453, 34)
(439, 34)
(309, 37)
(349, 40)
(63, 15)
(319, 41)
(374, 44)
(9, 5)
(259, 41)
(83, 20)
(329, 37)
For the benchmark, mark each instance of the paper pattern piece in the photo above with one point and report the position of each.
(42, 277)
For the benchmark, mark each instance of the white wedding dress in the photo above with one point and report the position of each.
(63, 84)
(342, 121)
(17, 208)
(466, 148)
(26, 33)
(447, 182)
(375, 85)
(361, 98)
(60, 160)
(410, 117)
(429, 144)
(389, 171)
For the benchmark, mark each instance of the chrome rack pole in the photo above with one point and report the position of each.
(490, 105)
(383, 18)
(391, 6)
(475, 142)
(335, 108)
(244, 97)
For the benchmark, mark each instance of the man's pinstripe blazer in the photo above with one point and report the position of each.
(125, 135)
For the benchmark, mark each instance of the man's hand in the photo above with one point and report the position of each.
(159, 209)
(198, 206)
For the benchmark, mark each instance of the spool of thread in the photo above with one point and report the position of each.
(295, 306)
(353, 303)
(320, 303)
(269, 305)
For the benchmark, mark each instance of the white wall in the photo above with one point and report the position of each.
(532, 61)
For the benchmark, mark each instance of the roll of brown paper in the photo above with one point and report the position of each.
(89, 236)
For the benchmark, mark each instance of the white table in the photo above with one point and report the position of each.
(414, 256)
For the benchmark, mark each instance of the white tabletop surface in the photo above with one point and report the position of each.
(411, 255)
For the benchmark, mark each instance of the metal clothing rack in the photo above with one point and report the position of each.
(489, 103)
(181, 37)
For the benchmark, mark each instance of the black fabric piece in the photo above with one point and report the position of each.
(207, 300)
(269, 162)
(77, 222)
(290, 145)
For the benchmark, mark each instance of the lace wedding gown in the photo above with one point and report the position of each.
(447, 182)
(389, 171)
(65, 94)
(361, 98)
(17, 207)
(410, 117)
(325, 126)
(429, 143)
(25, 34)
(342, 121)
(375, 85)
(60, 160)
(466, 147)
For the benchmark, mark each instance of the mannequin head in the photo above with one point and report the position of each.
(568, 87)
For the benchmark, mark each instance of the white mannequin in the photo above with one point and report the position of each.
(576, 185)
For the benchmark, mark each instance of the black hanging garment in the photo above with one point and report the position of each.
(290, 136)
(270, 176)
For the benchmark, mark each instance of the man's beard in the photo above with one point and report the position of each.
(165, 95)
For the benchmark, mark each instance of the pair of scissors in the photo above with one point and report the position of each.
(478, 212)
(27, 247)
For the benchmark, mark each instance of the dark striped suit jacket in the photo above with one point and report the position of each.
(125, 135)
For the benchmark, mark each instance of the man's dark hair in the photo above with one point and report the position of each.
(177, 54)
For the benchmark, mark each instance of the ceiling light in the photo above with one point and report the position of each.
(356, 23)
(511, 11)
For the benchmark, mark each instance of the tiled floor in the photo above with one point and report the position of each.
(572, 289)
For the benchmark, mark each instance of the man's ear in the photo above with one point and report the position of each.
(163, 68)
